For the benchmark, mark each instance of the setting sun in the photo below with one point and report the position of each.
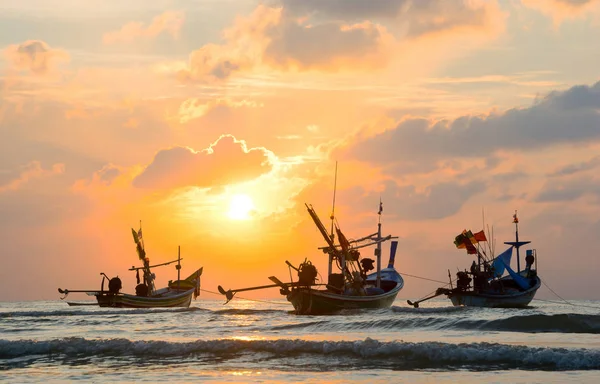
(240, 207)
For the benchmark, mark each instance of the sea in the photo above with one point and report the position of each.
(264, 341)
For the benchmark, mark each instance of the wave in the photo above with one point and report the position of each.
(538, 323)
(321, 355)
(563, 323)
(416, 311)
(99, 312)
(247, 311)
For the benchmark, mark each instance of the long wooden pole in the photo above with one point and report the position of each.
(178, 265)
(154, 266)
(330, 268)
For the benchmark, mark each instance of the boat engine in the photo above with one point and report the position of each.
(114, 285)
(141, 290)
(367, 264)
(307, 273)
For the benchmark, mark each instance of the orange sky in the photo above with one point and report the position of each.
(169, 112)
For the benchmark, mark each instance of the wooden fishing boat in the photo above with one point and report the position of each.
(484, 285)
(351, 286)
(178, 293)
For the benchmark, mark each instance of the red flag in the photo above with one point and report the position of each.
(471, 250)
(480, 236)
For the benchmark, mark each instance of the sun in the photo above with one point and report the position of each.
(240, 207)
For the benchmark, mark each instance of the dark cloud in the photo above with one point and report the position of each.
(575, 3)
(436, 202)
(568, 190)
(425, 17)
(35, 55)
(226, 161)
(320, 45)
(346, 9)
(328, 35)
(576, 168)
(565, 117)
(418, 17)
(405, 202)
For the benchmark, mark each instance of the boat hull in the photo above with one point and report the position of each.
(307, 301)
(175, 299)
(514, 300)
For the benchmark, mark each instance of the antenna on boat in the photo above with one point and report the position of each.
(517, 244)
(378, 250)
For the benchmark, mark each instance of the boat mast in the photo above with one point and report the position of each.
(516, 221)
(149, 280)
(332, 217)
(178, 265)
(517, 244)
(378, 250)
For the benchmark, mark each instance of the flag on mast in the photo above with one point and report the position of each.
(380, 207)
(515, 218)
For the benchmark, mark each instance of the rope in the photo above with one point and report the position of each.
(243, 298)
(423, 278)
(565, 301)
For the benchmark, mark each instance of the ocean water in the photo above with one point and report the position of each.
(249, 341)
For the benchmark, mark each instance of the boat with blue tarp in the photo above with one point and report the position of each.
(491, 282)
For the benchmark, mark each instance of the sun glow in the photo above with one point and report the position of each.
(240, 207)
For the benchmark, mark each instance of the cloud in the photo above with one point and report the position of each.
(12, 181)
(241, 49)
(418, 17)
(327, 46)
(35, 56)
(569, 190)
(434, 202)
(561, 10)
(227, 160)
(269, 37)
(572, 169)
(169, 22)
(333, 36)
(194, 108)
(565, 117)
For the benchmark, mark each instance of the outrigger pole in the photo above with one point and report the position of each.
(157, 265)
(416, 303)
(231, 292)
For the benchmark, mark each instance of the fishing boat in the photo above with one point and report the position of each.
(485, 284)
(351, 286)
(177, 293)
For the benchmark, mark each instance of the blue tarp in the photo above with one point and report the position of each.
(501, 261)
(520, 280)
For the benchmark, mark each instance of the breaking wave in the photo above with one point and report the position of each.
(538, 323)
(310, 355)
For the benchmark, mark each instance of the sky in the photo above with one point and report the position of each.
(213, 122)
